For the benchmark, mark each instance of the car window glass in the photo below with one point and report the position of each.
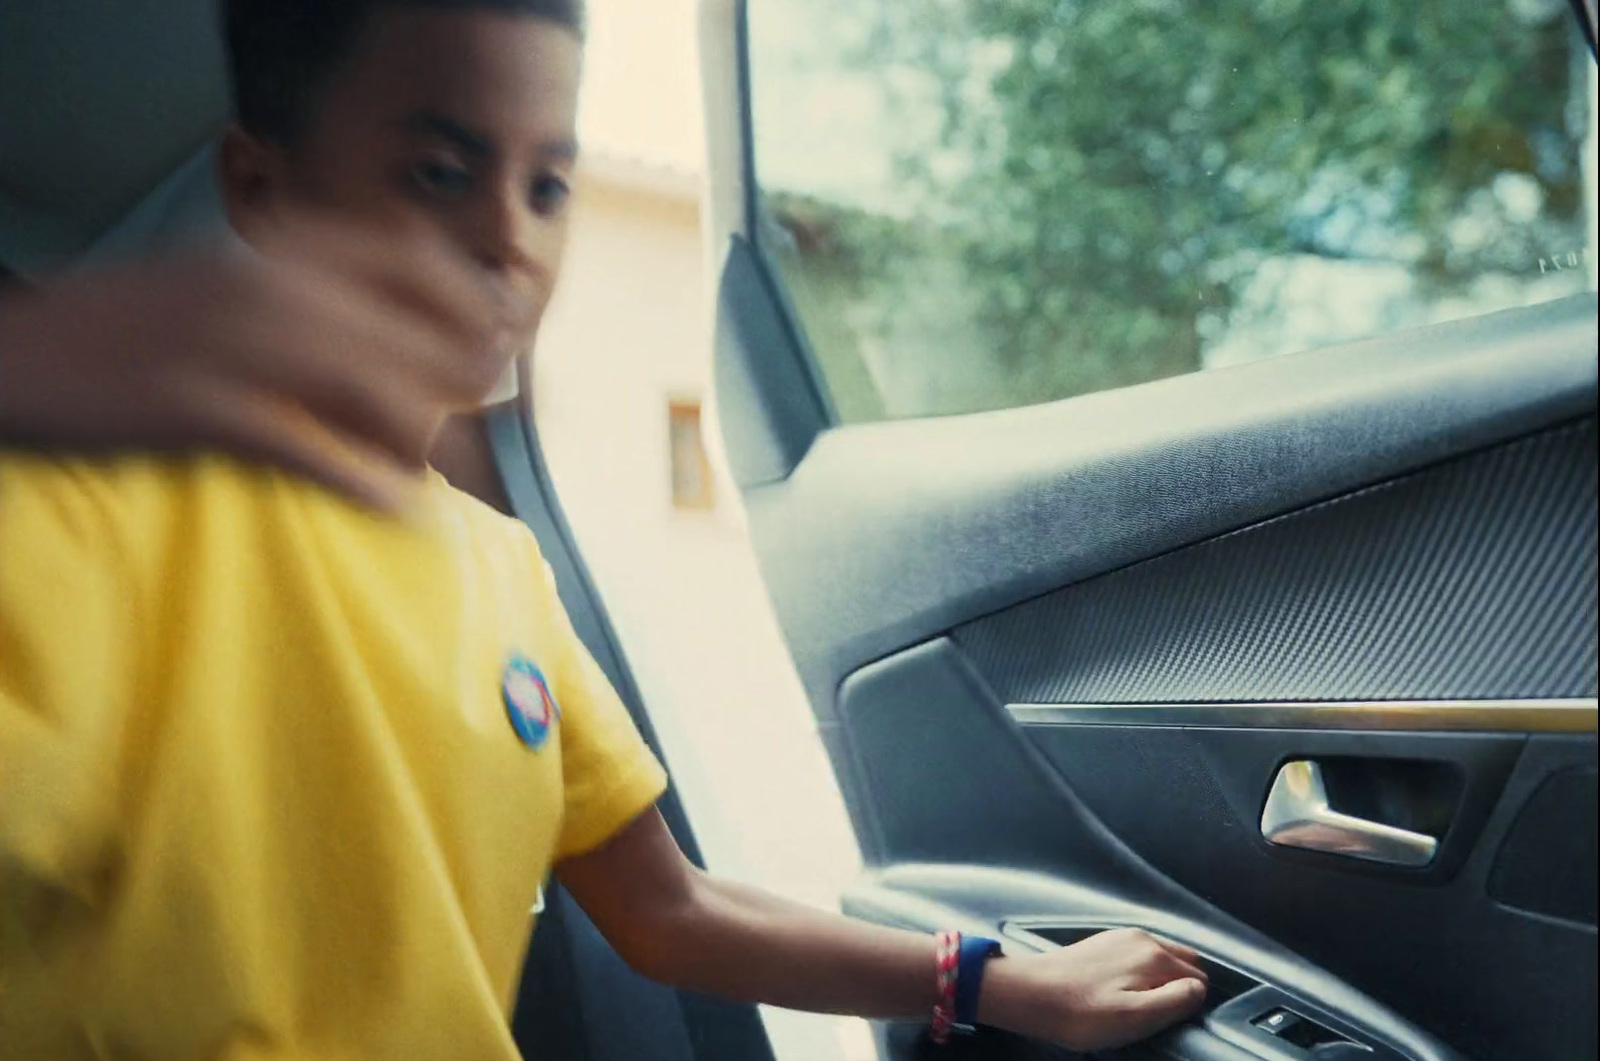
(985, 203)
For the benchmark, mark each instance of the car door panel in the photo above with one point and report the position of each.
(1432, 585)
(1052, 737)
(1201, 829)
(1211, 785)
(1076, 642)
(886, 534)
(1240, 962)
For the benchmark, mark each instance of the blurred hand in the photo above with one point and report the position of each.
(335, 354)
(1109, 990)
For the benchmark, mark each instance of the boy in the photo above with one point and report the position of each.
(281, 778)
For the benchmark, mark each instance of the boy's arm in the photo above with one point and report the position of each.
(336, 357)
(678, 925)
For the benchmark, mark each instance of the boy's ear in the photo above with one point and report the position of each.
(250, 171)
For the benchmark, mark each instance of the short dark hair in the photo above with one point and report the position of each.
(280, 52)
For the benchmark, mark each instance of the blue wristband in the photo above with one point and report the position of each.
(975, 954)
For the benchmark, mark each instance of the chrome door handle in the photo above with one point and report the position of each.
(1297, 814)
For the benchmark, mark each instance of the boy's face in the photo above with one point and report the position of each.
(459, 122)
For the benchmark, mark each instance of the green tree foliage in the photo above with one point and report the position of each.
(1108, 177)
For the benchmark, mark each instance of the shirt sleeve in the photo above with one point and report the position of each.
(609, 774)
(67, 662)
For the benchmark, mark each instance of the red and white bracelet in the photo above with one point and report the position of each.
(959, 963)
(947, 966)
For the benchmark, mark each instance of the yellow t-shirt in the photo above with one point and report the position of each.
(278, 777)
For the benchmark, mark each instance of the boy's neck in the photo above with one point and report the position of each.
(463, 455)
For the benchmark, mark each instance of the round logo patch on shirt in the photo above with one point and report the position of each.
(530, 705)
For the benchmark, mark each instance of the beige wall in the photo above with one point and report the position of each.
(627, 333)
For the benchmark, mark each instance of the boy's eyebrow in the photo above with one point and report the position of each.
(430, 123)
(472, 142)
(565, 150)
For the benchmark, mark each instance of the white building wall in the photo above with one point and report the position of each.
(630, 330)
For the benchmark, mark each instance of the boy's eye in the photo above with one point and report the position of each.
(441, 178)
(549, 194)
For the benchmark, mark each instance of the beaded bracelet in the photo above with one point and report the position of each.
(947, 964)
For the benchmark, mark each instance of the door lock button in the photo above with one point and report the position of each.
(1276, 1022)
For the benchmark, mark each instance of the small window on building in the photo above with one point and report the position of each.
(691, 471)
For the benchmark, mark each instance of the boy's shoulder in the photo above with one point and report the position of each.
(486, 524)
(156, 509)
(84, 497)
(151, 500)
(139, 488)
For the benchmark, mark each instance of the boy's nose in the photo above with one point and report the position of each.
(506, 252)
(513, 243)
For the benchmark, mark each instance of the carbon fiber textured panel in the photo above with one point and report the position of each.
(1471, 579)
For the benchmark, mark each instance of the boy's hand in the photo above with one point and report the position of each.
(680, 926)
(336, 354)
(1109, 990)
